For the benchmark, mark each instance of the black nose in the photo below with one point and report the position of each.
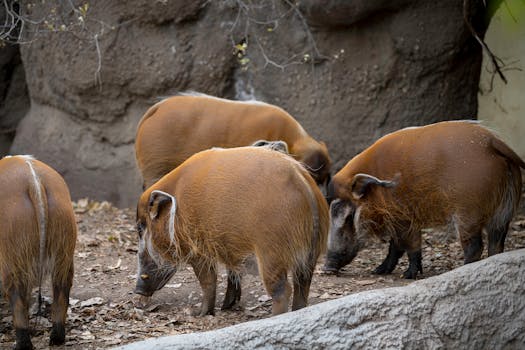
(142, 289)
(142, 292)
(330, 191)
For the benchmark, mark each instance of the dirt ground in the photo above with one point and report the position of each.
(104, 312)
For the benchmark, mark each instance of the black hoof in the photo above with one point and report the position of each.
(410, 274)
(382, 270)
(233, 290)
(58, 335)
(327, 270)
(199, 312)
(23, 340)
(229, 303)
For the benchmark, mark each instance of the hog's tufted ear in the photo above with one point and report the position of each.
(362, 183)
(157, 201)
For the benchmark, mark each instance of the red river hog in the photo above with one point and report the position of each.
(220, 206)
(180, 126)
(37, 237)
(453, 174)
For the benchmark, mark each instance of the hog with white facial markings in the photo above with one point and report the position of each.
(220, 206)
(37, 237)
(456, 174)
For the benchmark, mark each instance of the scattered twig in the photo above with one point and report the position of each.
(99, 65)
(510, 12)
(4, 131)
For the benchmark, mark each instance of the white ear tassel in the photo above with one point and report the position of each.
(173, 208)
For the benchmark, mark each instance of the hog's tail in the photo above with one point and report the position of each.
(510, 192)
(504, 150)
(319, 232)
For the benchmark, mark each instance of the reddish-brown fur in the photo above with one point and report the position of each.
(455, 173)
(20, 232)
(180, 126)
(235, 202)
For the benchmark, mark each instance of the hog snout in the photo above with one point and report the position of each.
(148, 283)
(336, 261)
(333, 263)
(143, 286)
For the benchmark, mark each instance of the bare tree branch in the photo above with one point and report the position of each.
(496, 61)
(250, 14)
(20, 28)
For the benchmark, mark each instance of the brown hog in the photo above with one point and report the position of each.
(38, 236)
(180, 126)
(455, 174)
(220, 206)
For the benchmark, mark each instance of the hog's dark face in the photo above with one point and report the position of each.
(153, 272)
(279, 146)
(343, 244)
(318, 164)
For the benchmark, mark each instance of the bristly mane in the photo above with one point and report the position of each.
(200, 94)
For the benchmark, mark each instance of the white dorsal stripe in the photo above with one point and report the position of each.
(171, 222)
(41, 215)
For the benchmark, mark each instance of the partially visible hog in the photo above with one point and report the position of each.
(177, 127)
(455, 174)
(37, 237)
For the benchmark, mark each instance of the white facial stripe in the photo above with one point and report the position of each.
(152, 252)
(141, 251)
(141, 242)
(339, 219)
(356, 218)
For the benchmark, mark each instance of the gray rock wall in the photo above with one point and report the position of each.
(378, 67)
(477, 306)
(14, 99)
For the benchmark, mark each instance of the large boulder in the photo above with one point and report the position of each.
(477, 306)
(348, 72)
(89, 88)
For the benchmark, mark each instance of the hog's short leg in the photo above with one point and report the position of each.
(207, 276)
(496, 237)
(301, 284)
(472, 248)
(471, 241)
(233, 290)
(19, 296)
(280, 290)
(390, 262)
(275, 280)
(61, 288)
